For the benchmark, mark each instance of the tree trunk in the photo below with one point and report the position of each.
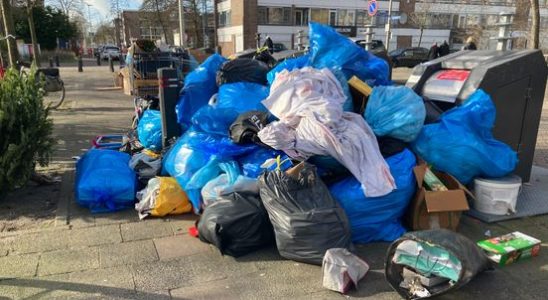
(34, 41)
(9, 29)
(216, 24)
(420, 36)
(535, 24)
(159, 15)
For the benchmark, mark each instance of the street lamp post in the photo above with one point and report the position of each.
(181, 25)
(387, 40)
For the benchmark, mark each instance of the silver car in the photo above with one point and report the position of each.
(112, 52)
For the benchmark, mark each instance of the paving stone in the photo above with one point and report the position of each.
(5, 245)
(18, 265)
(179, 245)
(147, 229)
(39, 242)
(127, 253)
(220, 290)
(49, 287)
(81, 221)
(93, 236)
(64, 261)
(120, 217)
(181, 223)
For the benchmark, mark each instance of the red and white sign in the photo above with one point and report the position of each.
(372, 7)
(457, 75)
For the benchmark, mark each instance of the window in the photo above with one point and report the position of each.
(332, 17)
(345, 17)
(262, 15)
(301, 16)
(224, 18)
(319, 15)
(362, 18)
(151, 32)
(274, 15)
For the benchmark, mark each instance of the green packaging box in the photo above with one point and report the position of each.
(510, 248)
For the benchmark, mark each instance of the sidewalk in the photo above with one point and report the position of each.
(116, 256)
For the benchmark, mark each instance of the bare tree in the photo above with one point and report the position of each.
(69, 7)
(34, 40)
(535, 24)
(9, 31)
(420, 19)
(105, 34)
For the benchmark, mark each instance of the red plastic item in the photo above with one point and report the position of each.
(193, 231)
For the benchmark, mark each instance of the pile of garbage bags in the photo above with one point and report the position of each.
(280, 156)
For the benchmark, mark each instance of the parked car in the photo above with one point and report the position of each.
(408, 57)
(279, 47)
(112, 52)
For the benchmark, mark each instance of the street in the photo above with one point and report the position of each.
(70, 253)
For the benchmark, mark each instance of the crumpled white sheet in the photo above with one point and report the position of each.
(308, 103)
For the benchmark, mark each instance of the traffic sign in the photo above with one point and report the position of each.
(372, 7)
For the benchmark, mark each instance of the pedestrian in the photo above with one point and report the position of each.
(444, 49)
(269, 44)
(470, 45)
(433, 52)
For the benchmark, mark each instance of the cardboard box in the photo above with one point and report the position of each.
(510, 248)
(360, 92)
(437, 209)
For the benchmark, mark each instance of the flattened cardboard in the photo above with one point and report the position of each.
(437, 209)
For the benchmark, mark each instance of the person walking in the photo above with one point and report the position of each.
(433, 52)
(470, 45)
(444, 49)
(269, 44)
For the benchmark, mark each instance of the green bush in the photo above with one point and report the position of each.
(25, 130)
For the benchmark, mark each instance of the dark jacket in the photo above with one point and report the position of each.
(444, 49)
(470, 46)
(269, 44)
(433, 53)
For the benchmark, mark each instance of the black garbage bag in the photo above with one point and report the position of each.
(236, 224)
(264, 56)
(243, 70)
(470, 258)
(307, 221)
(244, 130)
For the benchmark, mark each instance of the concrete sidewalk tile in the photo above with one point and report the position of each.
(127, 253)
(82, 221)
(64, 261)
(118, 277)
(40, 242)
(5, 245)
(225, 289)
(18, 265)
(48, 287)
(147, 229)
(119, 217)
(180, 224)
(93, 236)
(179, 245)
(175, 273)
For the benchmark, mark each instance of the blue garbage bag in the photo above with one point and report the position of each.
(378, 218)
(395, 111)
(251, 163)
(104, 181)
(199, 86)
(149, 130)
(329, 49)
(232, 100)
(289, 64)
(194, 158)
(462, 144)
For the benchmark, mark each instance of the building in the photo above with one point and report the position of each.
(414, 22)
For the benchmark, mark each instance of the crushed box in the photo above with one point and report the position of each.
(510, 248)
(437, 209)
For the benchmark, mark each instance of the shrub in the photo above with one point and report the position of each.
(25, 130)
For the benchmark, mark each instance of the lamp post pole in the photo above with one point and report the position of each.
(388, 32)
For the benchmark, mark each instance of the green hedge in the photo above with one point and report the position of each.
(25, 130)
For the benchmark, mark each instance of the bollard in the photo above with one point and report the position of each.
(168, 92)
(121, 60)
(110, 64)
(258, 40)
(99, 60)
(80, 64)
(368, 36)
(51, 62)
(56, 57)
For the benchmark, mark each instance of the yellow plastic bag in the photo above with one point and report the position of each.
(171, 199)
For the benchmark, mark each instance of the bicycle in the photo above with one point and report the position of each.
(53, 88)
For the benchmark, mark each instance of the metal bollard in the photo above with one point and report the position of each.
(51, 62)
(111, 64)
(258, 40)
(56, 58)
(168, 93)
(80, 64)
(121, 60)
(99, 60)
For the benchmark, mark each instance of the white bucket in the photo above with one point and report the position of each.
(497, 196)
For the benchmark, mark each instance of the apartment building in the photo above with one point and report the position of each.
(452, 20)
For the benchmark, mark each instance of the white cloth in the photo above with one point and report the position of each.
(342, 270)
(308, 104)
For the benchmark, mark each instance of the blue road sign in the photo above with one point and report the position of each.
(372, 7)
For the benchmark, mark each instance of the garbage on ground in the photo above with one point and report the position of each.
(246, 127)
(342, 270)
(462, 144)
(236, 224)
(510, 248)
(360, 92)
(395, 111)
(308, 104)
(198, 88)
(147, 164)
(307, 220)
(130, 143)
(289, 64)
(252, 164)
(242, 70)
(432, 262)
(104, 181)
(431, 209)
(378, 218)
(229, 182)
(162, 196)
(497, 196)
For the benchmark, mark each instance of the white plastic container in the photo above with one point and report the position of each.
(497, 196)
